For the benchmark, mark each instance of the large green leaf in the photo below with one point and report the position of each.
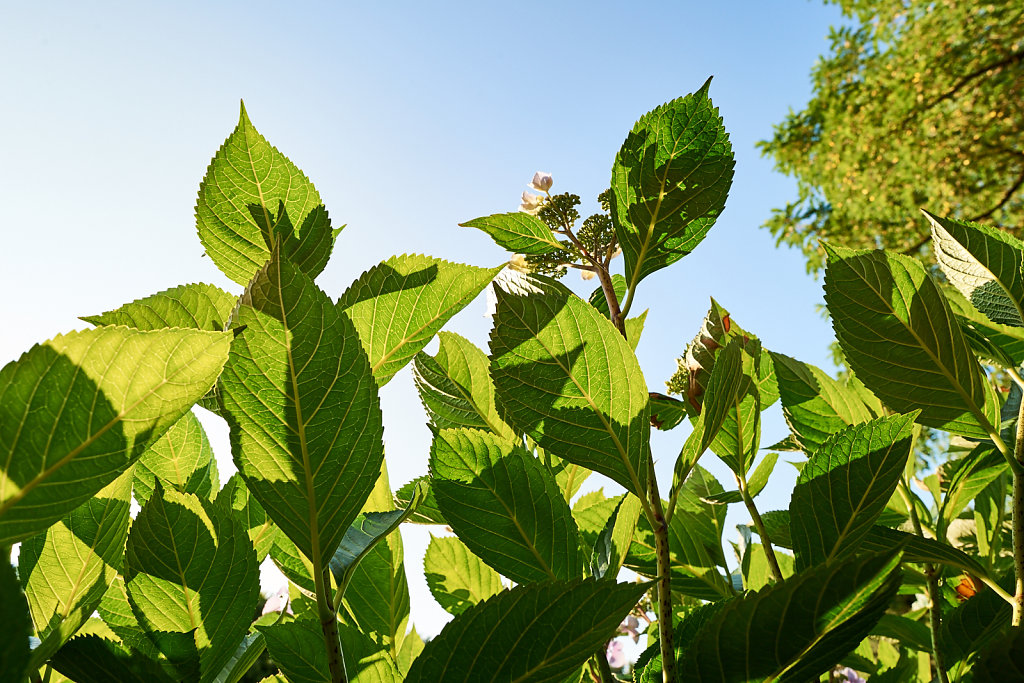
(94, 659)
(456, 388)
(538, 633)
(399, 305)
(298, 648)
(985, 264)
(519, 233)
(456, 577)
(306, 430)
(505, 506)
(253, 195)
(196, 306)
(250, 514)
(14, 652)
(794, 630)
(814, 404)
(190, 569)
(181, 459)
(882, 303)
(844, 486)
(1003, 660)
(78, 410)
(565, 376)
(669, 183)
(67, 570)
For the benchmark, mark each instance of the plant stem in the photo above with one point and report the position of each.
(1018, 522)
(613, 301)
(930, 571)
(329, 625)
(603, 667)
(664, 607)
(766, 542)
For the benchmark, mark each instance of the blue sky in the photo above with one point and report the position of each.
(410, 118)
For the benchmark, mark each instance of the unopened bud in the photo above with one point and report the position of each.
(587, 274)
(518, 262)
(531, 203)
(541, 181)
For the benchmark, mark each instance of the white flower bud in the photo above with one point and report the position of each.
(518, 262)
(531, 203)
(587, 274)
(541, 181)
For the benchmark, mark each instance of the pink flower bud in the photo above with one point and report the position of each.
(541, 181)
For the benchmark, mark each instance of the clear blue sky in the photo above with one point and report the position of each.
(410, 118)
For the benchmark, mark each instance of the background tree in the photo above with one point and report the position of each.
(918, 104)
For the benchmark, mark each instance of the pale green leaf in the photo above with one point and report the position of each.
(411, 648)
(427, 512)
(251, 195)
(306, 430)
(757, 573)
(518, 233)
(565, 376)
(759, 479)
(880, 302)
(723, 391)
(456, 577)
(117, 614)
(794, 630)
(181, 459)
(250, 514)
(666, 412)
(14, 613)
(191, 570)
(67, 569)
(505, 506)
(399, 305)
(615, 539)
(845, 485)
(455, 386)
(196, 306)
(814, 404)
(669, 183)
(78, 410)
(525, 634)
(591, 512)
(985, 264)
(569, 476)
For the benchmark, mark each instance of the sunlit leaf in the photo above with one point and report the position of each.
(518, 233)
(456, 577)
(181, 459)
(196, 306)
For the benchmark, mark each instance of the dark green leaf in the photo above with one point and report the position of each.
(881, 301)
(565, 376)
(14, 653)
(92, 659)
(525, 634)
(1003, 660)
(669, 183)
(844, 486)
(250, 514)
(298, 648)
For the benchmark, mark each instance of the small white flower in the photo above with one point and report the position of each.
(617, 252)
(531, 203)
(541, 181)
(518, 262)
(587, 274)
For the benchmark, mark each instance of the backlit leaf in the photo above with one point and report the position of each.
(456, 577)
(195, 306)
(181, 459)
(518, 233)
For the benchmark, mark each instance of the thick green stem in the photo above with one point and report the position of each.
(766, 542)
(930, 571)
(664, 585)
(329, 625)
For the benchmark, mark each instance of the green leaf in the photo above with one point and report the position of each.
(723, 391)
(399, 305)
(195, 306)
(412, 646)
(972, 626)
(565, 376)
(910, 633)
(759, 479)
(181, 459)
(302, 405)
(116, 612)
(518, 233)
(247, 511)
(456, 577)
(568, 476)
(598, 299)
(93, 659)
(251, 195)
(756, 572)
(248, 652)
(666, 412)
(298, 648)
(881, 301)
(985, 264)
(797, 629)
(739, 438)
(669, 183)
(845, 485)
(427, 511)
(980, 468)
(1003, 660)
(591, 512)
(525, 634)
(67, 569)
(191, 570)
(634, 328)
(79, 409)
(505, 506)
(368, 529)
(614, 541)
(14, 652)
(455, 386)
(814, 404)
